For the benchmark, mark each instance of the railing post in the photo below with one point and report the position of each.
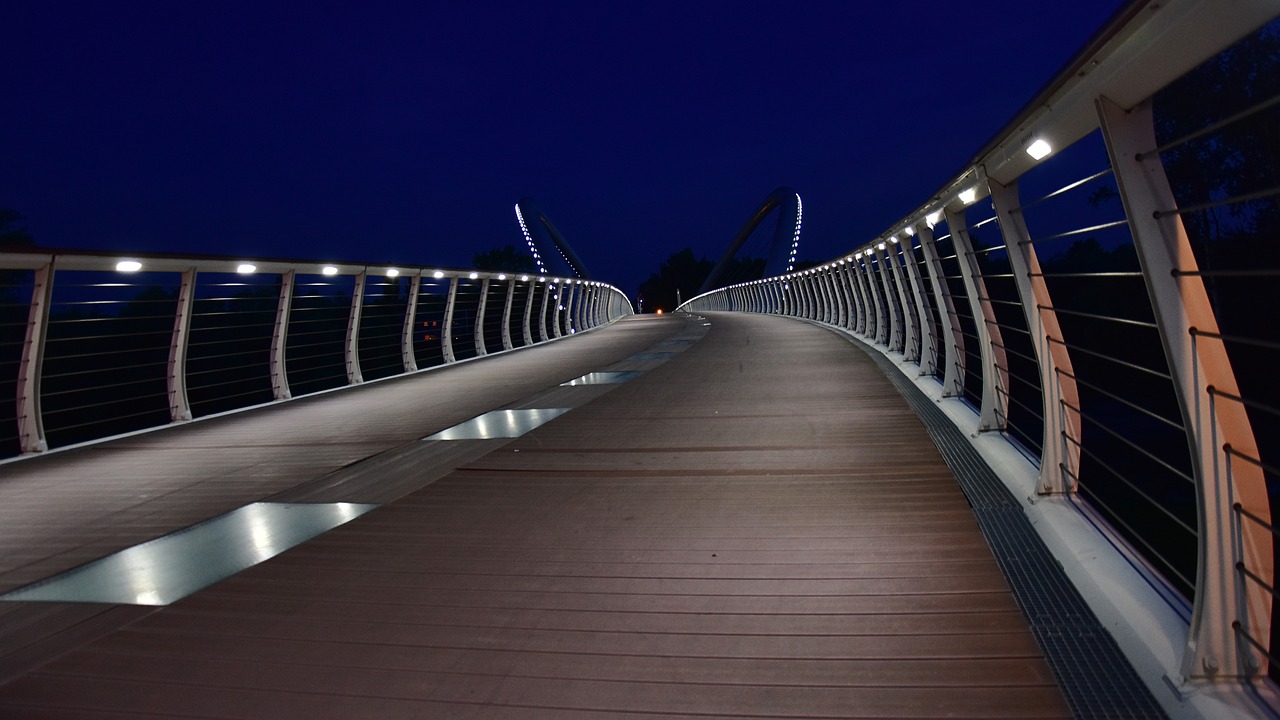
(588, 307)
(952, 372)
(542, 316)
(859, 283)
(815, 297)
(837, 289)
(478, 326)
(927, 340)
(840, 276)
(1216, 428)
(179, 407)
(877, 301)
(995, 373)
(1060, 458)
(571, 324)
(865, 317)
(352, 356)
(829, 308)
(894, 336)
(562, 308)
(570, 327)
(584, 298)
(855, 299)
(910, 337)
(280, 337)
(446, 332)
(31, 437)
(526, 328)
(558, 299)
(407, 356)
(506, 315)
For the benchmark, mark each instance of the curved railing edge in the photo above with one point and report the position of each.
(1216, 653)
(588, 305)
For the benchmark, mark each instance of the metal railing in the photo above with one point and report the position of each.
(95, 345)
(1096, 287)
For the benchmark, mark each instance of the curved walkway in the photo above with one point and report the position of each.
(732, 533)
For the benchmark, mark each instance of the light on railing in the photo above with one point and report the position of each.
(1039, 149)
(880, 246)
(392, 272)
(246, 268)
(437, 274)
(502, 276)
(128, 266)
(932, 218)
(328, 271)
(968, 196)
(474, 276)
(542, 279)
(524, 278)
(911, 231)
(893, 239)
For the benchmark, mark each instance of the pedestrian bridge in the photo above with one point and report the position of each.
(1013, 457)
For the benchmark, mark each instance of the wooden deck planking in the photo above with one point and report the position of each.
(67, 508)
(666, 550)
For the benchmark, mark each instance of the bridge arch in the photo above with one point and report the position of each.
(538, 232)
(786, 237)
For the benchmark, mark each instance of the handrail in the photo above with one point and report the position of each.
(1204, 392)
(222, 335)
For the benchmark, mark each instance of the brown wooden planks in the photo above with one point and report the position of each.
(722, 537)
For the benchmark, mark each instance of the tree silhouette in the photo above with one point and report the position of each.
(507, 258)
(13, 231)
(681, 272)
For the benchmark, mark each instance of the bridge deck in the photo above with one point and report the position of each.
(731, 533)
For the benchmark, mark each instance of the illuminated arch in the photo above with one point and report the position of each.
(786, 238)
(537, 229)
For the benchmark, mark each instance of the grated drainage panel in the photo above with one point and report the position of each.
(1096, 678)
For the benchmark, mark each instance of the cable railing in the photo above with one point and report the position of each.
(93, 346)
(1112, 320)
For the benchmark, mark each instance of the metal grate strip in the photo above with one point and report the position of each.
(1094, 675)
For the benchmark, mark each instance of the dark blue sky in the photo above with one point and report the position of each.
(405, 132)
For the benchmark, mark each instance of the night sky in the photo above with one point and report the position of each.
(404, 133)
